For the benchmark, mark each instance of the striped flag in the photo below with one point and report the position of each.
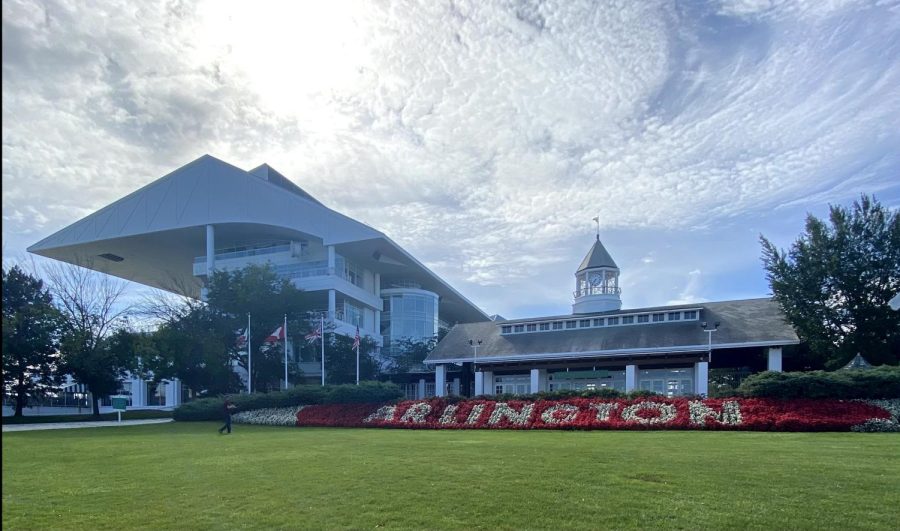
(314, 335)
(356, 339)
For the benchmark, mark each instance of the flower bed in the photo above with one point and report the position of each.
(273, 416)
(595, 414)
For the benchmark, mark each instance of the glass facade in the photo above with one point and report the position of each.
(408, 314)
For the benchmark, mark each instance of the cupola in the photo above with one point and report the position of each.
(597, 282)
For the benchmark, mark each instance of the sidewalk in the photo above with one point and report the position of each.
(70, 425)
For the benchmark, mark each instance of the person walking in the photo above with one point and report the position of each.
(227, 408)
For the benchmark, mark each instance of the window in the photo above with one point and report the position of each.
(598, 322)
(571, 324)
(506, 329)
(519, 328)
(674, 316)
(612, 321)
(557, 325)
(692, 314)
(584, 323)
(644, 318)
(659, 317)
(531, 328)
(545, 326)
(628, 319)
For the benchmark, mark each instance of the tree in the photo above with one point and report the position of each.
(835, 282)
(411, 353)
(259, 291)
(195, 347)
(31, 328)
(340, 360)
(92, 310)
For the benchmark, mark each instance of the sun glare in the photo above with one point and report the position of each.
(292, 54)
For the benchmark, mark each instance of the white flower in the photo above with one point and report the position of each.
(278, 416)
(518, 418)
(385, 413)
(604, 409)
(666, 413)
(416, 413)
(549, 414)
(730, 414)
(475, 414)
(449, 414)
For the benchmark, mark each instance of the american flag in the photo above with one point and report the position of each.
(314, 335)
(356, 339)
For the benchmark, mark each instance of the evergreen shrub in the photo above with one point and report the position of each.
(366, 392)
(880, 382)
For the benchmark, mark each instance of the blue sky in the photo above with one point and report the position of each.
(481, 136)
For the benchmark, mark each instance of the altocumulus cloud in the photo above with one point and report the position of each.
(483, 136)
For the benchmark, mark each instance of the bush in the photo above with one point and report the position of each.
(366, 392)
(880, 382)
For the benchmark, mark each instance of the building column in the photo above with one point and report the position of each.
(440, 380)
(479, 383)
(210, 249)
(420, 389)
(538, 380)
(488, 382)
(701, 378)
(331, 260)
(332, 304)
(775, 359)
(138, 392)
(630, 378)
(376, 289)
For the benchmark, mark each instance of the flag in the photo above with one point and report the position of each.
(356, 339)
(241, 340)
(314, 335)
(276, 336)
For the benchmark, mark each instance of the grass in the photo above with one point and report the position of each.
(185, 476)
(127, 415)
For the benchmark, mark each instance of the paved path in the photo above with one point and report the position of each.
(70, 425)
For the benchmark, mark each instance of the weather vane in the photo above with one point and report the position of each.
(597, 219)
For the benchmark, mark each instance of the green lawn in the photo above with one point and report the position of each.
(186, 476)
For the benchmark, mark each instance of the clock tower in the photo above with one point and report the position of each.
(597, 282)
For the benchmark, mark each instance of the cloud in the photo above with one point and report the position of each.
(482, 136)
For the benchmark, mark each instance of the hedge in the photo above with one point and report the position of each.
(880, 382)
(365, 392)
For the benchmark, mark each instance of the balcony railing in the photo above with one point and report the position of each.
(246, 252)
(597, 290)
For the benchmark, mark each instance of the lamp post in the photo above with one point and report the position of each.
(709, 333)
(475, 343)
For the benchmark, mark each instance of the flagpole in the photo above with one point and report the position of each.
(322, 339)
(249, 359)
(357, 355)
(285, 353)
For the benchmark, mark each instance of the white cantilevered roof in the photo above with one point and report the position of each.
(159, 229)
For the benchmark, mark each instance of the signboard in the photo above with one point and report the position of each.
(119, 403)
(572, 375)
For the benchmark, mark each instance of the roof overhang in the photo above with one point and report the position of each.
(548, 356)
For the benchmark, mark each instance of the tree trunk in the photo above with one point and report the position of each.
(95, 405)
(20, 396)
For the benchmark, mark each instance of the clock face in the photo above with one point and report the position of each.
(595, 280)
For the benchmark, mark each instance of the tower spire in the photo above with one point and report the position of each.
(597, 219)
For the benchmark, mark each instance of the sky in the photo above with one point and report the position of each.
(481, 136)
